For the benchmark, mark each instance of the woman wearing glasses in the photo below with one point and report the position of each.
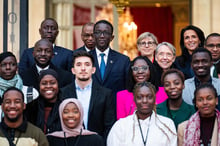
(144, 127)
(165, 55)
(146, 44)
(141, 70)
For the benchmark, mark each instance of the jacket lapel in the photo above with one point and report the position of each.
(93, 98)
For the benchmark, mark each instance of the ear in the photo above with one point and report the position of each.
(112, 37)
(216, 100)
(73, 70)
(174, 57)
(93, 70)
(24, 106)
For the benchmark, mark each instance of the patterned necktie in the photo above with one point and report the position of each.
(102, 65)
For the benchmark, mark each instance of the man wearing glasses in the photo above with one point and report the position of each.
(87, 37)
(111, 66)
(212, 43)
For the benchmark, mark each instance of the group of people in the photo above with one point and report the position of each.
(95, 95)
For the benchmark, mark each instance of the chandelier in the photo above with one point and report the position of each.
(120, 5)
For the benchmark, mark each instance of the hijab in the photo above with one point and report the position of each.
(69, 132)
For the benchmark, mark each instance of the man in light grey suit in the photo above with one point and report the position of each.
(201, 64)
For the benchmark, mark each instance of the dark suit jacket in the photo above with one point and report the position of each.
(62, 59)
(116, 71)
(80, 49)
(102, 113)
(30, 76)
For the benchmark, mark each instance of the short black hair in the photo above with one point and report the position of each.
(104, 22)
(211, 35)
(202, 50)
(13, 89)
(82, 53)
(202, 86)
(52, 19)
(172, 71)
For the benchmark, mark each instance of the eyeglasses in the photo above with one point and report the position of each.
(141, 68)
(99, 33)
(143, 44)
(212, 46)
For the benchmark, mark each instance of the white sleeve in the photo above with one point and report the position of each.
(116, 134)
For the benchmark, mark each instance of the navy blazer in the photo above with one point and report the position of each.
(62, 59)
(102, 114)
(83, 48)
(116, 71)
(30, 76)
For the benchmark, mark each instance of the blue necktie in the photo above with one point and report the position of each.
(102, 65)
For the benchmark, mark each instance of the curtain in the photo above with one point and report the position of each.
(158, 21)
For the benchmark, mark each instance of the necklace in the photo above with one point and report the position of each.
(144, 141)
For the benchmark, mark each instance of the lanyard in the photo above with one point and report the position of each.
(144, 141)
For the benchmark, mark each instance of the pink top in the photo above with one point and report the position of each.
(126, 105)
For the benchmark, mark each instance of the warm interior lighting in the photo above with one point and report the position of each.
(127, 34)
(120, 5)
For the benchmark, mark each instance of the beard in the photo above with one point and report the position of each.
(12, 120)
(83, 79)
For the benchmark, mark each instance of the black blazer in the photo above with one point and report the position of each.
(116, 72)
(102, 114)
(62, 58)
(30, 76)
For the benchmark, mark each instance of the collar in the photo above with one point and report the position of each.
(86, 87)
(87, 50)
(198, 82)
(98, 52)
(21, 128)
(39, 69)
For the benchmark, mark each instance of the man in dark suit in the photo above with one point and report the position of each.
(116, 64)
(42, 54)
(87, 37)
(97, 101)
(212, 43)
(62, 56)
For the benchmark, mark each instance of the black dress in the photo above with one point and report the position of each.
(81, 140)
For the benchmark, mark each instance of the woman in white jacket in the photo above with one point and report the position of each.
(144, 127)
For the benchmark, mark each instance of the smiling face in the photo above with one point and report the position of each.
(140, 71)
(147, 46)
(8, 68)
(173, 86)
(103, 36)
(49, 30)
(191, 40)
(43, 53)
(144, 98)
(13, 106)
(201, 64)
(49, 88)
(71, 115)
(164, 57)
(206, 102)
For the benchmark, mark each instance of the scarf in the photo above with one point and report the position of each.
(78, 130)
(192, 130)
(14, 82)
